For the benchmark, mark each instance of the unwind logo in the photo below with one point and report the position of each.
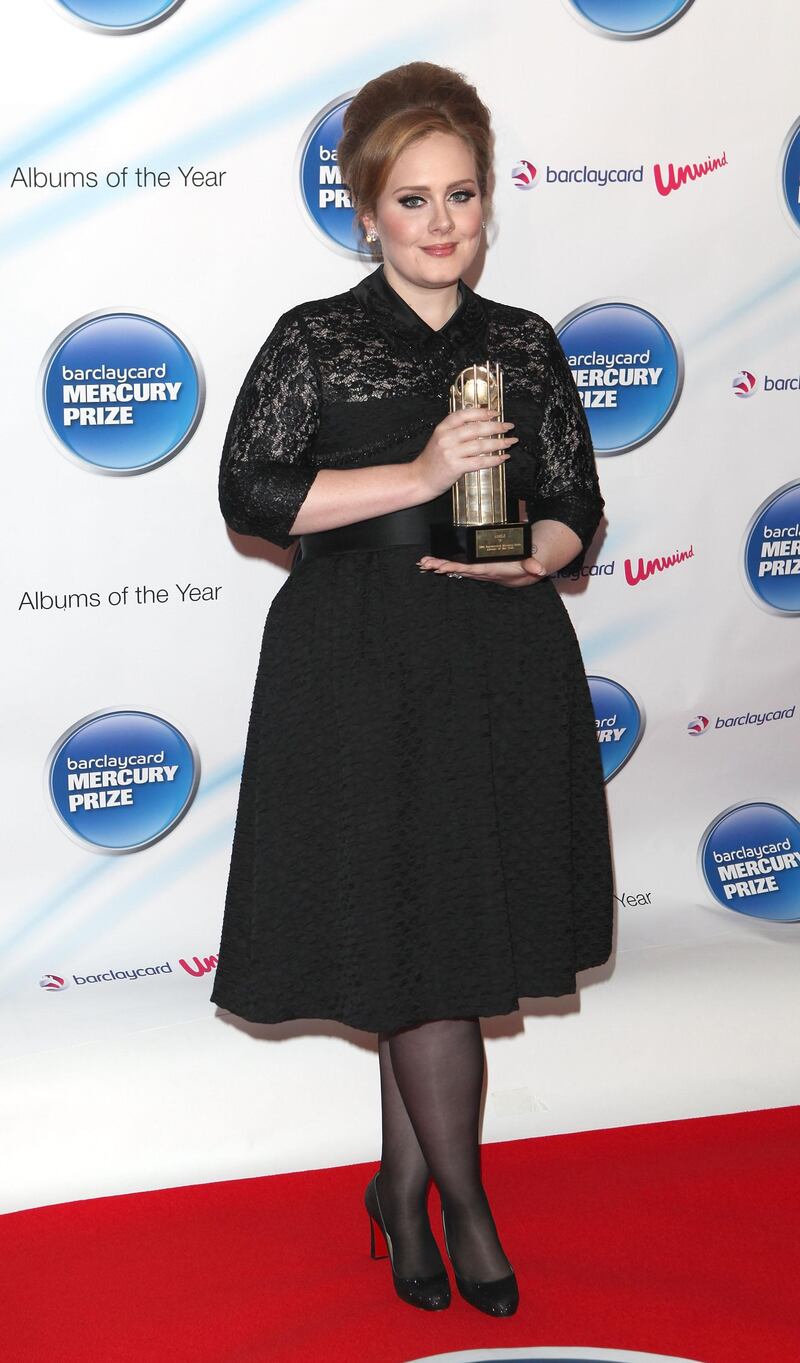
(120, 392)
(117, 16)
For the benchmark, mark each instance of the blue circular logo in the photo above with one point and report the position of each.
(325, 199)
(620, 722)
(118, 16)
(629, 18)
(790, 175)
(546, 1355)
(772, 552)
(120, 779)
(121, 392)
(750, 860)
(628, 370)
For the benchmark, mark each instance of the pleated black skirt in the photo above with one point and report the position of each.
(422, 827)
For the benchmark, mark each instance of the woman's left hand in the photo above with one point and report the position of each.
(515, 573)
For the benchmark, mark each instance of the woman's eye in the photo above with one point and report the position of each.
(460, 196)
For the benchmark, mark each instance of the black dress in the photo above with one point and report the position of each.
(422, 828)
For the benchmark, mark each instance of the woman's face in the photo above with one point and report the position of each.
(428, 216)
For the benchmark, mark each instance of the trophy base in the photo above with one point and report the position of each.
(481, 543)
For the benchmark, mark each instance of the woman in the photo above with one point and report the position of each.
(421, 837)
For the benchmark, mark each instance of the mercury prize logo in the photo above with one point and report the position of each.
(628, 18)
(620, 722)
(117, 16)
(324, 199)
(121, 393)
(749, 857)
(119, 780)
(771, 554)
(789, 175)
(550, 1355)
(628, 370)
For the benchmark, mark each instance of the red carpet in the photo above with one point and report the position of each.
(676, 1238)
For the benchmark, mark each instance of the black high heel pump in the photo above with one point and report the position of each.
(431, 1293)
(497, 1297)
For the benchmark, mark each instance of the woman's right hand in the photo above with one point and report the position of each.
(469, 439)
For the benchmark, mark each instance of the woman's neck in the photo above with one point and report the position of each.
(434, 305)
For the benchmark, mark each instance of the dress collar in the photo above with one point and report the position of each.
(466, 325)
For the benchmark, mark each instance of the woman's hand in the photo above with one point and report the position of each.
(470, 439)
(521, 572)
(464, 441)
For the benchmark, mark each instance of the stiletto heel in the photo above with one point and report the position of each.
(496, 1297)
(431, 1293)
(372, 1253)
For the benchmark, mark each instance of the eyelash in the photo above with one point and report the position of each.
(407, 201)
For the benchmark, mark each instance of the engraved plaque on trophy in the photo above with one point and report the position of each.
(479, 530)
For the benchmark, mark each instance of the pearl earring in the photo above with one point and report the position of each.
(372, 236)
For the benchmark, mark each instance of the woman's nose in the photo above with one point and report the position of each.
(441, 220)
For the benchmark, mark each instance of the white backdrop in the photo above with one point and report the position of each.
(135, 1081)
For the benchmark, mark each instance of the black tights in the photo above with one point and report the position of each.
(431, 1083)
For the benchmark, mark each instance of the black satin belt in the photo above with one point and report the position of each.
(411, 525)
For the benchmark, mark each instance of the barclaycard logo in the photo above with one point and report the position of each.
(628, 18)
(745, 384)
(117, 16)
(553, 1355)
(525, 175)
(53, 983)
(197, 967)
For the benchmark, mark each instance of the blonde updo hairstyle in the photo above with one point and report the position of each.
(398, 108)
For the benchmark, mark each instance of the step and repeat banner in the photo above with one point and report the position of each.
(170, 187)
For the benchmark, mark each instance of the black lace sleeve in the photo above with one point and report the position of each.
(567, 488)
(264, 474)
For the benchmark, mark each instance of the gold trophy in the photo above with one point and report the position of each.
(479, 530)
